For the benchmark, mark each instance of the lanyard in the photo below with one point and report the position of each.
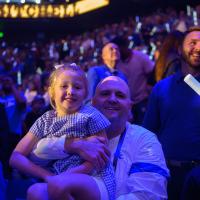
(119, 146)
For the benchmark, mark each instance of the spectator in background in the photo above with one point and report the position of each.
(181, 23)
(173, 114)
(31, 90)
(15, 109)
(137, 67)
(169, 61)
(110, 57)
(37, 109)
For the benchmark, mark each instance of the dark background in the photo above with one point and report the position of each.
(25, 29)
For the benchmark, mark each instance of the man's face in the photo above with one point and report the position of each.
(112, 98)
(110, 52)
(191, 49)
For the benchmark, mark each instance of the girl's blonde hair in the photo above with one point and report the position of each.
(57, 71)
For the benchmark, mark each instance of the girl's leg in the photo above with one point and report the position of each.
(73, 186)
(37, 191)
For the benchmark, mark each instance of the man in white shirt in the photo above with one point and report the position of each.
(137, 156)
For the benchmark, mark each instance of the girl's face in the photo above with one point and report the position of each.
(69, 92)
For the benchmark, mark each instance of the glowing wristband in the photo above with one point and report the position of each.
(193, 83)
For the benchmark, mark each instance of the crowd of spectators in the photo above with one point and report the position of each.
(29, 64)
(85, 49)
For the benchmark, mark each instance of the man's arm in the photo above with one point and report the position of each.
(147, 175)
(92, 149)
(87, 167)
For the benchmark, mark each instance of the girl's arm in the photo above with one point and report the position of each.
(20, 161)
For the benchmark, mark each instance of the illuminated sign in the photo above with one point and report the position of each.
(50, 11)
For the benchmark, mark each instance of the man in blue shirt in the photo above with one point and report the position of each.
(174, 112)
(110, 56)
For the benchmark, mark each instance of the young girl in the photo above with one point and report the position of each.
(67, 90)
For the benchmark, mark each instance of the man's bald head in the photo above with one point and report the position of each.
(112, 98)
(116, 81)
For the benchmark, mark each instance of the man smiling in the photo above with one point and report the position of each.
(173, 114)
(137, 157)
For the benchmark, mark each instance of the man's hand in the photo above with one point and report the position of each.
(92, 149)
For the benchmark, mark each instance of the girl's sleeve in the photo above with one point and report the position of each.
(38, 127)
(97, 122)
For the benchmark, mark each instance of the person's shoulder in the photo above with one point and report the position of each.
(49, 114)
(167, 81)
(96, 68)
(92, 115)
(139, 53)
(135, 51)
(163, 81)
(88, 110)
(137, 129)
(162, 88)
(143, 57)
(138, 132)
